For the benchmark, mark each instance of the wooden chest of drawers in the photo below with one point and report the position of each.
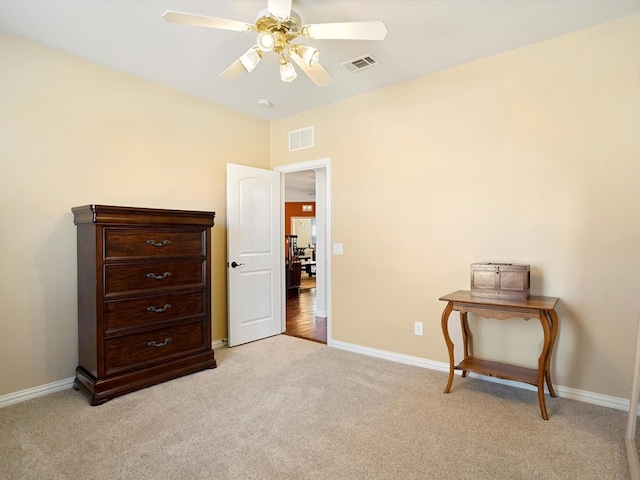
(144, 297)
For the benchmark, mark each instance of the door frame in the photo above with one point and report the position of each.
(322, 168)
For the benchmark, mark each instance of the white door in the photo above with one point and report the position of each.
(254, 254)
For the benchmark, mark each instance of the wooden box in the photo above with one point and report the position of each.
(500, 280)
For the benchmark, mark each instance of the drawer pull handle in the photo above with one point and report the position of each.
(158, 277)
(159, 310)
(158, 244)
(161, 344)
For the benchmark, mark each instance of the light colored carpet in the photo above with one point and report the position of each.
(286, 408)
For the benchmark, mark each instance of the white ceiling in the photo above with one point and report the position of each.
(424, 36)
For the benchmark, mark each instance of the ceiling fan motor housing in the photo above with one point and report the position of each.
(283, 30)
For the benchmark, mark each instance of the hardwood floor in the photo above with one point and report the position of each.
(301, 314)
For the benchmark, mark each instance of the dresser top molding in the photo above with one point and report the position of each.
(106, 214)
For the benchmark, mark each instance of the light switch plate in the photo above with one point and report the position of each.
(337, 249)
(417, 328)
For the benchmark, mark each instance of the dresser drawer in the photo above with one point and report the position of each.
(131, 351)
(123, 314)
(140, 242)
(149, 276)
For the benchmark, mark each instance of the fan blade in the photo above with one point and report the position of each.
(279, 8)
(233, 71)
(346, 31)
(203, 21)
(317, 74)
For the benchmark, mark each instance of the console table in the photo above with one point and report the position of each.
(542, 308)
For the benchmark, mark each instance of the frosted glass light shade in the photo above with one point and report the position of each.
(287, 72)
(265, 41)
(250, 59)
(309, 54)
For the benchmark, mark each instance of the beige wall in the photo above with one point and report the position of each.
(73, 133)
(531, 156)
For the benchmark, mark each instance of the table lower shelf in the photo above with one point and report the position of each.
(499, 370)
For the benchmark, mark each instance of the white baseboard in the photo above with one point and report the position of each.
(565, 392)
(23, 395)
(561, 391)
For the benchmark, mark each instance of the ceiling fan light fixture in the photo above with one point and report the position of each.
(287, 72)
(275, 28)
(266, 41)
(251, 58)
(309, 54)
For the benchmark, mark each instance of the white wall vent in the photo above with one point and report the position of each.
(360, 63)
(299, 139)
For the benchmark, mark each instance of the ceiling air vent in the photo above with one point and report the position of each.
(360, 63)
(299, 139)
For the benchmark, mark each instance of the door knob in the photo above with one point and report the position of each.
(234, 264)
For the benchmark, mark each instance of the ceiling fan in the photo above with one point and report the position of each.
(276, 27)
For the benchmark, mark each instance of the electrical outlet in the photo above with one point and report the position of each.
(417, 328)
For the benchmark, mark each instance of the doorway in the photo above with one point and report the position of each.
(308, 312)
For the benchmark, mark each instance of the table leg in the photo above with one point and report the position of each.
(553, 322)
(464, 326)
(543, 362)
(445, 331)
